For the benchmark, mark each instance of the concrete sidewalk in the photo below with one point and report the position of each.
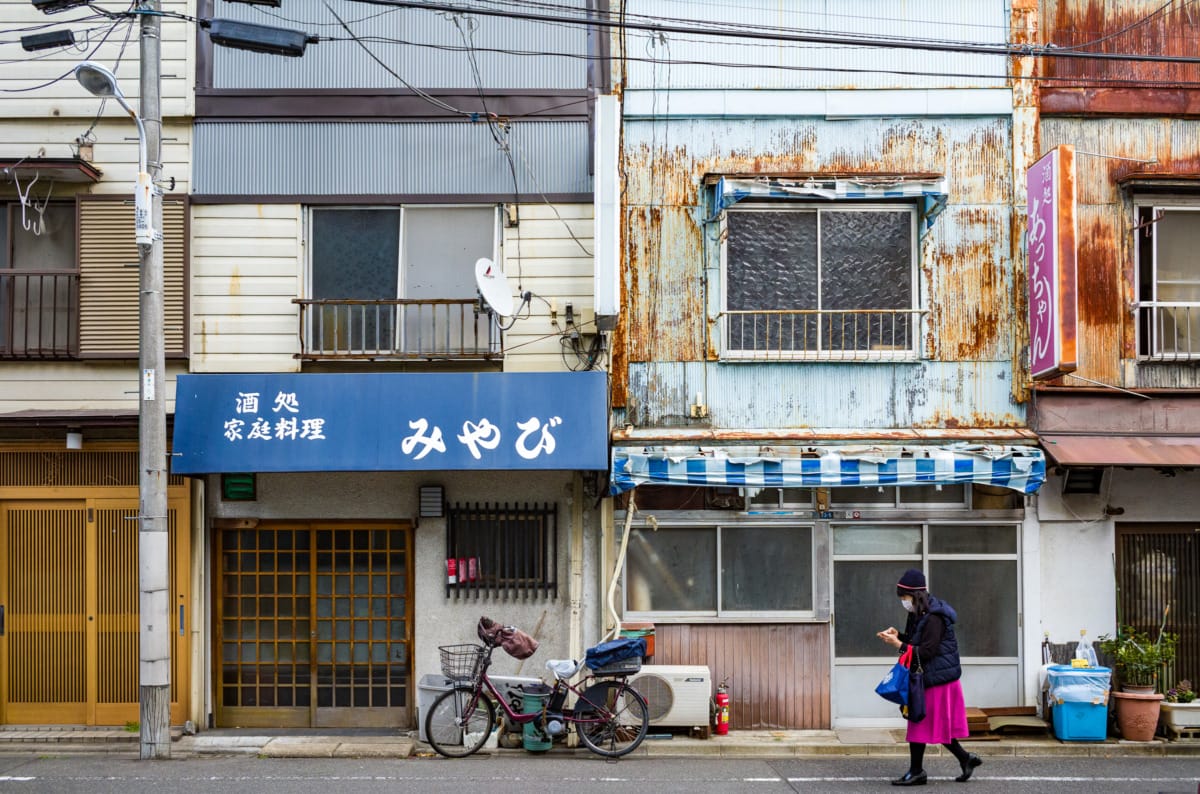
(367, 743)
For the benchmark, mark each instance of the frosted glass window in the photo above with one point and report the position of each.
(864, 602)
(820, 280)
(762, 569)
(672, 570)
(984, 593)
(972, 539)
(876, 541)
(766, 569)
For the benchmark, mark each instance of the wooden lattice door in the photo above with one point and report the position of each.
(69, 617)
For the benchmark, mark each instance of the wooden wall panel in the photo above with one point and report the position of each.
(778, 672)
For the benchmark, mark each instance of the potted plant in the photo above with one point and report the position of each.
(1180, 710)
(1138, 660)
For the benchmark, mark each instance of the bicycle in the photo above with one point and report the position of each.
(610, 716)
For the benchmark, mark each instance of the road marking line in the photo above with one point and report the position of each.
(1013, 779)
(10, 778)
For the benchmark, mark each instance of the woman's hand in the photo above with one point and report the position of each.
(890, 636)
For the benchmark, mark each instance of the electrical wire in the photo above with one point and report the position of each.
(820, 37)
(71, 71)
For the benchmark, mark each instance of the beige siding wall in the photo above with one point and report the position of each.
(64, 97)
(541, 256)
(247, 266)
(115, 152)
(76, 385)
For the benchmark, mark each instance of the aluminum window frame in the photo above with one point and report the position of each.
(818, 557)
(1151, 349)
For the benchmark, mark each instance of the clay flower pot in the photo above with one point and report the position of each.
(1137, 715)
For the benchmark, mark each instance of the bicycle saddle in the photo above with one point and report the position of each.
(563, 669)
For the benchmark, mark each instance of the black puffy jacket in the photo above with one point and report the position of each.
(945, 666)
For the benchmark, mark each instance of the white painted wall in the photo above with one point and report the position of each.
(438, 620)
(1077, 544)
(114, 153)
(41, 82)
(247, 266)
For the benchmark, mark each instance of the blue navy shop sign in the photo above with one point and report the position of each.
(390, 422)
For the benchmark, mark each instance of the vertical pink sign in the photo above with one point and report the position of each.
(1050, 186)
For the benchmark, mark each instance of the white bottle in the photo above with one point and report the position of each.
(1085, 651)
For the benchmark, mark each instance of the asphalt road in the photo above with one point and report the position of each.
(101, 774)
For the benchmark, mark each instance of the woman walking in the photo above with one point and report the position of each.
(929, 631)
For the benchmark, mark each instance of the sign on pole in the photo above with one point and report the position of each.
(1050, 185)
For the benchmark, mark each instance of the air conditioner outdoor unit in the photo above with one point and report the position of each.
(677, 695)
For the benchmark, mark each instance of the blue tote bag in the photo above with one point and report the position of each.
(894, 686)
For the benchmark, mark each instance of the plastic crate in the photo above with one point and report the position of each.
(1080, 722)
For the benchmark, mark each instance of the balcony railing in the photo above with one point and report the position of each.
(822, 334)
(39, 314)
(398, 329)
(1169, 331)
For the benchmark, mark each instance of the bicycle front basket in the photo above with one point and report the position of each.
(461, 662)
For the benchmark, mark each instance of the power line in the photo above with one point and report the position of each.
(814, 37)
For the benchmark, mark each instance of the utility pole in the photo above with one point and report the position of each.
(154, 564)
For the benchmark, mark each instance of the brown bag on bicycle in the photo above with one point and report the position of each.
(515, 642)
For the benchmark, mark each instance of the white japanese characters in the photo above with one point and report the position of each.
(282, 422)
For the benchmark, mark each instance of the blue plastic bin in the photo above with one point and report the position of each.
(1080, 702)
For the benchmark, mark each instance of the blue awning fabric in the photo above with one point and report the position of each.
(932, 192)
(1019, 468)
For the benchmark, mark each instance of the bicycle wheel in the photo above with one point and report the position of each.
(453, 733)
(625, 721)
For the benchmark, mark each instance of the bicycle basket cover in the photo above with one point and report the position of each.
(515, 642)
(613, 651)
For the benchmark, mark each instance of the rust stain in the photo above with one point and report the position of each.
(969, 310)
(1127, 26)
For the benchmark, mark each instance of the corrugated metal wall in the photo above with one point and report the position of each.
(778, 672)
(764, 64)
(1107, 346)
(425, 48)
(381, 158)
(968, 279)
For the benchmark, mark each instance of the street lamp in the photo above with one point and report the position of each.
(154, 630)
(103, 83)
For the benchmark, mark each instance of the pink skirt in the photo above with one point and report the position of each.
(945, 716)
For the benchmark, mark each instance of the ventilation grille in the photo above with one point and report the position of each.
(51, 468)
(109, 295)
(660, 697)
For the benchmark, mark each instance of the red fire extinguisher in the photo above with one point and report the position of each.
(722, 707)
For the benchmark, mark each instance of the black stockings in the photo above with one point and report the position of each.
(916, 755)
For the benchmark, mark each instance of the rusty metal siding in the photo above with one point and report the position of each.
(424, 47)
(808, 66)
(779, 676)
(1110, 150)
(1125, 26)
(969, 247)
(859, 395)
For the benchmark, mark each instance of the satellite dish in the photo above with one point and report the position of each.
(493, 286)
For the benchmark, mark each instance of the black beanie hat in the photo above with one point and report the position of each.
(911, 580)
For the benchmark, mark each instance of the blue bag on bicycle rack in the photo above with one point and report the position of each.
(613, 651)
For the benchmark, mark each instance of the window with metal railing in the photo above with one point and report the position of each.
(817, 282)
(1168, 304)
(502, 551)
(39, 281)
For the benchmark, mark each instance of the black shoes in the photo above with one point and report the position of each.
(909, 779)
(968, 767)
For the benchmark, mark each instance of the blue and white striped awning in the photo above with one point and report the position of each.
(932, 192)
(1020, 468)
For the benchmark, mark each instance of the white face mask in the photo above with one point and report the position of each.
(907, 603)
